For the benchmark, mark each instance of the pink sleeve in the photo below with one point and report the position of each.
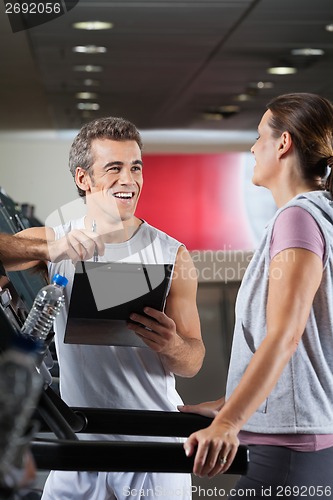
(296, 228)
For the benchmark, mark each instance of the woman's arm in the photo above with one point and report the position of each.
(294, 278)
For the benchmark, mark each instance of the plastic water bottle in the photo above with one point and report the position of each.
(20, 389)
(47, 304)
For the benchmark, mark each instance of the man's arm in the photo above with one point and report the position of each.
(175, 334)
(31, 246)
(23, 250)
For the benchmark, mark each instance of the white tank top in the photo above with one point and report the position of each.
(113, 376)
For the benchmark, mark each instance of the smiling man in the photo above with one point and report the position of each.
(106, 162)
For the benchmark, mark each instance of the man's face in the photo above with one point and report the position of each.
(114, 181)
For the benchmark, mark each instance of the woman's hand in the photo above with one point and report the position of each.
(208, 409)
(215, 448)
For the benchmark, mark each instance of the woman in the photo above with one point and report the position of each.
(279, 396)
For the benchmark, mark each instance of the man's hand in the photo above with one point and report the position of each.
(78, 244)
(156, 329)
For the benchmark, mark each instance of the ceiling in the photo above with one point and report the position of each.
(168, 63)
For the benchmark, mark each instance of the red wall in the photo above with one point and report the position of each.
(197, 199)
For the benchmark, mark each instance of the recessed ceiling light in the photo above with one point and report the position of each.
(89, 49)
(86, 114)
(329, 27)
(228, 109)
(262, 85)
(88, 106)
(86, 95)
(210, 115)
(281, 70)
(220, 112)
(89, 82)
(93, 25)
(243, 97)
(307, 52)
(89, 68)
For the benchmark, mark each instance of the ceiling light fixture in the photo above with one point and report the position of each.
(86, 114)
(307, 52)
(89, 49)
(228, 109)
(329, 27)
(282, 70)
(262, 85)
(89, 82)
(89, 68)
(86, 95)
(220, 112)
(243, 97)
(210, 115)
(93, 25)
(88, 106)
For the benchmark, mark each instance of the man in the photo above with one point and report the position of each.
(106, 162)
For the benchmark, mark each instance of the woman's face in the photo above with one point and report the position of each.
(265, 153)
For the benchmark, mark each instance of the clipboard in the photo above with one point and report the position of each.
(104, 294)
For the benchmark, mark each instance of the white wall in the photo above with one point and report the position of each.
(35, 171)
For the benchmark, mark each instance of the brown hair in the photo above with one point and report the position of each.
(116, 129)
(309, 120)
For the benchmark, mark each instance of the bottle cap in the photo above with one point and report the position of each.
(59, 280)
(25, 344)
